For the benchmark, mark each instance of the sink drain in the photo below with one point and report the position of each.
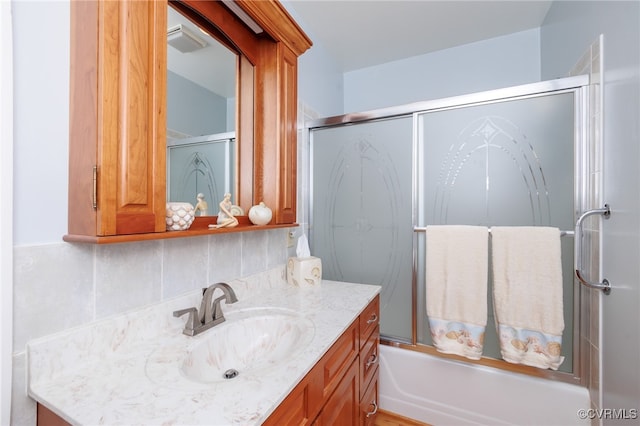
(230, 373)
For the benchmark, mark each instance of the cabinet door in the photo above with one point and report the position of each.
(369, 403)
(275, 156)
(339, 358)
(117, 137)
(342, 407)
(302, 405)
(276, 137)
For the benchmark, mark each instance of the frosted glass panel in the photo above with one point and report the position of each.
(506, 163)
(361, 212)
(206, 167)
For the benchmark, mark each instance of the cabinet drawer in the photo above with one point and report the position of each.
(369, 319)
(369, 402)
(369, 357)
(339, 358)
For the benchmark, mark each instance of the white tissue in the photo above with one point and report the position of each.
(304, 270)
(302, 250)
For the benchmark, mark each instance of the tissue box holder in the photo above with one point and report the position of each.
(304, 271)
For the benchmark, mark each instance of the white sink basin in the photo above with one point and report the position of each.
(249, 342)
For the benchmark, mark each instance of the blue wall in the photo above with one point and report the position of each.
(194, 110)
(41, 120)
(489, 64)
(320, 84)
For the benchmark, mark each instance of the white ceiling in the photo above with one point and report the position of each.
(362, 33)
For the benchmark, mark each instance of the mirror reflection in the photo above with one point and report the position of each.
(201, 115)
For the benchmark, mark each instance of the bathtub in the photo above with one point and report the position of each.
(444, 392)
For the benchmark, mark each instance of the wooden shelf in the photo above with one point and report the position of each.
(199, 227)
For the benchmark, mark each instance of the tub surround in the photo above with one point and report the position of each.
(98, 373)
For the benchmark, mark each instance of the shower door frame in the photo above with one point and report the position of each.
(579, 86)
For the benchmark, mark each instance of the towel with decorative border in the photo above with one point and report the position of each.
(456, 287)
(527, 294)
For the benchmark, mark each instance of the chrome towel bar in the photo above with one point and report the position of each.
(605, 286)
(423, 229)
(577, 250)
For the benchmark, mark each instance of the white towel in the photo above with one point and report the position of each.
(527, 294)
(456, 288)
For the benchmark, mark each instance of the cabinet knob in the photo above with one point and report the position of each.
(375, 409)
(373, 319)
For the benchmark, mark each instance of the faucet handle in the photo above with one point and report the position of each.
(190, 326)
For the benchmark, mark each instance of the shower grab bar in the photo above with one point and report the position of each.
(423, 229)
(605, 286)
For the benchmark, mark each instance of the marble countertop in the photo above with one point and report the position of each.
(100, 373)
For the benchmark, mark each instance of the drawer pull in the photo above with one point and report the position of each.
(372, 360)
(373, 319)
(374, 411)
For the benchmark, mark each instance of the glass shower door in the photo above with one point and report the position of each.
(362, 212)
(518, 156)
(506, 163)
(201, 164)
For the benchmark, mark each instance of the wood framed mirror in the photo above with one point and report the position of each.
(229, 31)
(117, 148)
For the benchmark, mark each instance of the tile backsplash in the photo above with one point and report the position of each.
(59, 286)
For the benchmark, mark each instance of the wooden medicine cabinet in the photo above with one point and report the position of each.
(117, 148)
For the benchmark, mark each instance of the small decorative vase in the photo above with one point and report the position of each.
(260, 214)
(180, 216)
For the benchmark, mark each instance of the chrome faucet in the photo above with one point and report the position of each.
(210, 312)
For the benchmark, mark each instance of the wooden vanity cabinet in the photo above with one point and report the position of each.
(342, 388)
(117, 148)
